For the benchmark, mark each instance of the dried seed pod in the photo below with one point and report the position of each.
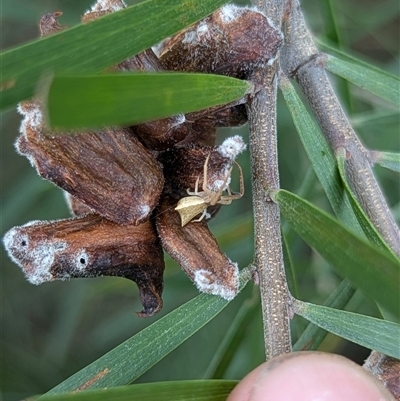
(196, 250)
(228, 42)
(91, 246)
(183, 166)
(110, 171)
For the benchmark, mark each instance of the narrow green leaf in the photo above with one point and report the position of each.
(80, 50)
(313, 335)
(334, 51)
(335, 34)
(190, 390)
(375, 272)
(93, 101)
(132, 358)
(320, 155)
(369, 230)
(233, 338)
(381, 84)
(376, 334)
(387, 159)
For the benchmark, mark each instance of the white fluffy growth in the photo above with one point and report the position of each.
(232, 147)
(178, 119)
(194, 36)
(217, 184)
(230, 12)
(208, 284)
(104, 5)
(35, 261)
(269, 20)
(81, 260)
(33, 117)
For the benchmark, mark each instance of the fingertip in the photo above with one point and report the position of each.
(305, 376)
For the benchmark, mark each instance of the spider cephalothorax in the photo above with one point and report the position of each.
(198, 202)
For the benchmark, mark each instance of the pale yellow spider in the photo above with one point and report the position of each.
(198, 202)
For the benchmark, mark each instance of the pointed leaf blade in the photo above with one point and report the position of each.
(134, 98)
(81, 48)
(375, 272)
(376, 334)
(132, 358)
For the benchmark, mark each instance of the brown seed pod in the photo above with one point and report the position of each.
(196, 250)
(109, 171)
(228, 42)
(183, 166)
(91, 246)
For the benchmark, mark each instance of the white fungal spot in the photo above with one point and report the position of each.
(178, 119)
(202, 29)
(193, 37)
(190, 37)
(35, 259)
(217, 184)
(230, 12)
(11, 239)
(232, 147)
(33, 117)
(104, 5)
(205, 282)
(81, 260)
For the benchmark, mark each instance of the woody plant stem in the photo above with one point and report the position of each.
(268, 258)
(299, 59)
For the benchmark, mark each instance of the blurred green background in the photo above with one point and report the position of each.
(51, 331)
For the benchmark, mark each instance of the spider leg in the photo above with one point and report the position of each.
(196, 188)
(241, 179)
(217, 195)
(205, 173)
(227, 200)
(201, 217)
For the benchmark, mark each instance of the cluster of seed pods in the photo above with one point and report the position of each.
(122, 184)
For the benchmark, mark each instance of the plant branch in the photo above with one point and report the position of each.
(300, 59)
(268, 256)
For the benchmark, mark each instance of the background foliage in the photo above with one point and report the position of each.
(50, 332)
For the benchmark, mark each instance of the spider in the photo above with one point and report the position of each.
(198, 202)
